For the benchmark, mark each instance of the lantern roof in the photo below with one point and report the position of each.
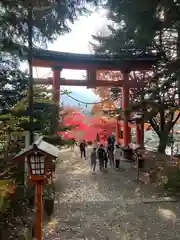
(41, 145)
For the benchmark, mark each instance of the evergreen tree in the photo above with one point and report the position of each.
(149, 26)
(50, 20)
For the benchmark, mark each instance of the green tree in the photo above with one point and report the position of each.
(50, 20)
(12, 83)
(144, 26)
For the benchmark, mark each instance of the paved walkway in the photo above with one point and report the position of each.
(106, 206)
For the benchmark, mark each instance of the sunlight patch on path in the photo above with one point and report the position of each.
(167, 214)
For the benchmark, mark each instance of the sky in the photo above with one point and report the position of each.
(77, 41)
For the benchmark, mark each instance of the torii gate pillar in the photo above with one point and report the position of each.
(56, 85)
(140, 134)
(117, 130)
(56, 95)
(125, 104)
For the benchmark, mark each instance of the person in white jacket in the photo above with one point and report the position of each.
(117, 156)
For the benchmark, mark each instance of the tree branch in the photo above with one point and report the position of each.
(3, 174)
(155, 126)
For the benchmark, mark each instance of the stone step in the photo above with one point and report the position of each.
(75, 238)
(158, 200)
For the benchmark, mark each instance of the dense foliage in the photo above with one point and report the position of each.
(146, 26)
(50, 20)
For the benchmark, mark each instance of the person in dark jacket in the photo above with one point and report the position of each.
(101, 154)
(111, 140)
(105, 160)
(82, 148)
(93, 159)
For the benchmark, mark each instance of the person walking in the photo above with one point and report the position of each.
(82, 148)
(93, 159)
(95, 144)
(117, 156)
(105, 160)
(111, 140)
(110, 151)
(73, 144)
(101, 154)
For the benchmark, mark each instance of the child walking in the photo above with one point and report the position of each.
(93, 159)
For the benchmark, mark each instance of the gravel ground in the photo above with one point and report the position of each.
(106, 206)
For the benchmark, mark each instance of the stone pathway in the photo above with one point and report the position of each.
(106, 206)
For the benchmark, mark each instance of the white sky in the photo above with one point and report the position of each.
(77, 41)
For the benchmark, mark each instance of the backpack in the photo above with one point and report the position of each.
(105, 156)
(101, 153)
(93, 156)
(82, 146)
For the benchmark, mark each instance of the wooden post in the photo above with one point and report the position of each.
(125, 104)
(142, 121)
(137, 163)
(27, 144)
(39, 210)
(30, 58)
(138, 134)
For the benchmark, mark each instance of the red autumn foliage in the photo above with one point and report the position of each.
(87, 128)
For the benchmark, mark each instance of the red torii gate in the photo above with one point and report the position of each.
(92, 63)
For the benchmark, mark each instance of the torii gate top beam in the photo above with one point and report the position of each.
(123, 61)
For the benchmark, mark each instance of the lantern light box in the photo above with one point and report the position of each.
(38, 154)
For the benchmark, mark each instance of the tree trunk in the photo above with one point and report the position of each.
(163, 142)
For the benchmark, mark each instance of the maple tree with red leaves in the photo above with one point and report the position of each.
(87, 128)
